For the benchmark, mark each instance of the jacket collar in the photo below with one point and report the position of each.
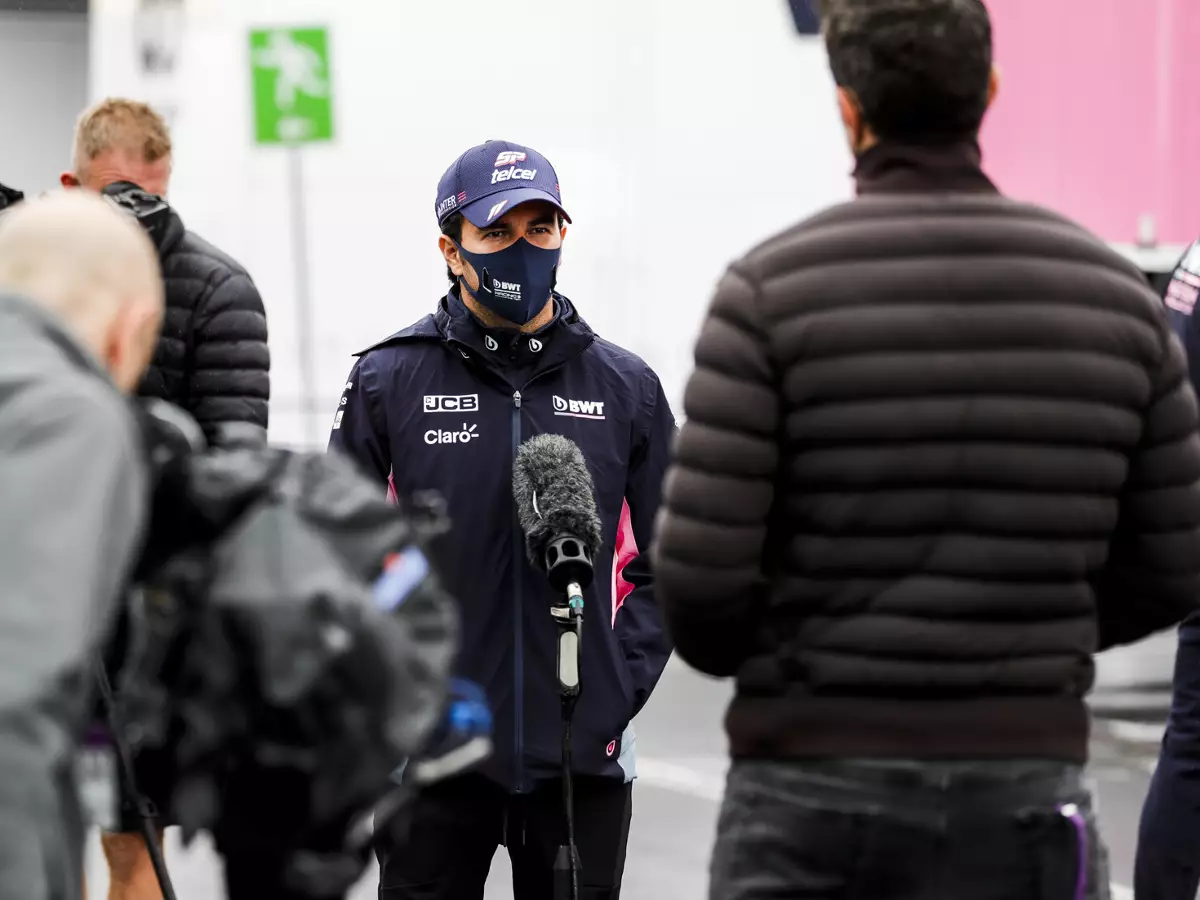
(173, 233)
(507, 350)
(892, 167)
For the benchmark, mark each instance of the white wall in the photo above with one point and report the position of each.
(44, 68)
(683, 131)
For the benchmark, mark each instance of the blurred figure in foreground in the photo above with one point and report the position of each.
(80, 309)
(211, 360)
(939, 449)
(1167, 865)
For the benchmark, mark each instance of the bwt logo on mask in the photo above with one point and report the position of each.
(507, 290)
(451, 403)
(513, 174)
(468, 434)
(579, 409)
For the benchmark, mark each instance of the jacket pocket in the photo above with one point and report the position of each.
(605, 703)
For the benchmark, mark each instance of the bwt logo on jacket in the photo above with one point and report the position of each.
(468, 434)
(580, 409)
(451, 403)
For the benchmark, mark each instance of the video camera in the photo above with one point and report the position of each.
(289, 651)
(152, 211)
(9, 197)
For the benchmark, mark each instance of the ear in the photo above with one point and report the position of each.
(993, 84)
(849, 109)
(131, 341)
(68, 180)
(450, 254)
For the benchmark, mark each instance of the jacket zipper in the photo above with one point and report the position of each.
(518, 600)
(518, 617)
(518, 603)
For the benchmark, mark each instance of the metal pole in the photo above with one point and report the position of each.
(304, 314)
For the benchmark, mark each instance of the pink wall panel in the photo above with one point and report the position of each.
(1098, 114)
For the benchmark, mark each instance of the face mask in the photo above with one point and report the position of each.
(515, 282)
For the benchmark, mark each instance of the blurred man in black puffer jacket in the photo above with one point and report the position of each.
(211, 358)
(940, 449)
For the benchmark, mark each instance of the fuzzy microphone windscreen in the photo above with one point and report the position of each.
(555, 495)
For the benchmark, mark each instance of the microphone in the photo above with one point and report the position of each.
(556, 508)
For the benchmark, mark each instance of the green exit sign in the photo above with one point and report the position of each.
(293, 92)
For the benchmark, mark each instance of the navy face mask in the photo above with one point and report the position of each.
(515, 282)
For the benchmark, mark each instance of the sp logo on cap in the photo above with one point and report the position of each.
(509, 157)
(610, 749)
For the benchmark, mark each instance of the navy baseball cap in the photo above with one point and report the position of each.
(489, 180)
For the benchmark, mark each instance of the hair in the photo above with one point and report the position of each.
(919, 69)
(452, 228)
(119, 124)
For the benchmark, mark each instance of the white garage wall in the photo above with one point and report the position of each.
(683, 131)
(44, 68)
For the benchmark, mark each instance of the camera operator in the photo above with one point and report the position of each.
(505, 357)
(80, 308)
(211, 359)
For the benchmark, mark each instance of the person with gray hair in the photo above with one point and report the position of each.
(81, 303)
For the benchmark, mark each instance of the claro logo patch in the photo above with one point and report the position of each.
(465, 435)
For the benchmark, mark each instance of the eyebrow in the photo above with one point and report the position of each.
(550, 219)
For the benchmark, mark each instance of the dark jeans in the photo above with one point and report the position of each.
(899, 830)
(442, 849)
(1168, 852)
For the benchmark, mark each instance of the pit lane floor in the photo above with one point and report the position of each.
(681, 764)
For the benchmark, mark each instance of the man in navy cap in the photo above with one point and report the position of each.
(444, 404)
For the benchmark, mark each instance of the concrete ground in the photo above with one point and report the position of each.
(681, 761)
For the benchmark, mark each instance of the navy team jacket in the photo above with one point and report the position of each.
(444, 404)
(1180, 296)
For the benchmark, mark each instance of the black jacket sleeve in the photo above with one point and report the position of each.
(719, 492)
(231, 373)
(1152, 579)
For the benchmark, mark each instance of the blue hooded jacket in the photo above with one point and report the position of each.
(1180, 297)
(444, 405)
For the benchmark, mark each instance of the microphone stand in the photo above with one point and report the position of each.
(569, 567)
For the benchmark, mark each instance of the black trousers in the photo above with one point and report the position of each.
(442, 848)
(859, 830)
(1168, 851)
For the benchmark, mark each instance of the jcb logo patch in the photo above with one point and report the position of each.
(451, 403)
